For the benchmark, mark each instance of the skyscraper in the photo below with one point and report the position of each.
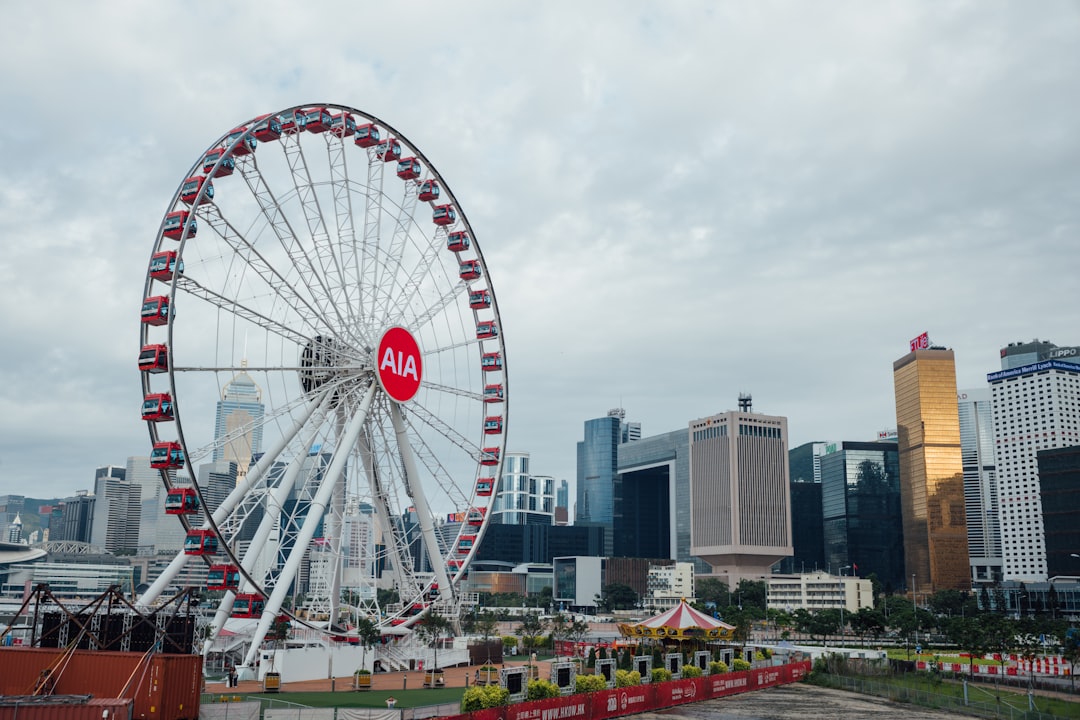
(860, 499)
(931, 471)
(75, 518)
(1034, 407)
(807, 522)
(116, 510)
(523, 498)
(597, 460)
(740, 512)
(238, 423)
(980, 486)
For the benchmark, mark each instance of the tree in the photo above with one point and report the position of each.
(486, 626)
(1070, 650)
(432, 629)
(617, 596)
(368, 634)
(968, 634)
(751, 596)
(530, 628)
(711, 590)
(867, 621)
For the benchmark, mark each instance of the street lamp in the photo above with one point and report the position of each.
(843, 599)
(914, 608)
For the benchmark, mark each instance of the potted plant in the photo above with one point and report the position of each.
(487, 675)
(362, 679)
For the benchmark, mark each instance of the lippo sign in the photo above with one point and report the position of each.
(399, 366)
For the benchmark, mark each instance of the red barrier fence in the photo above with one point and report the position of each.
(643, 698)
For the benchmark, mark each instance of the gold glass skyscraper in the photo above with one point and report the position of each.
(931, 471)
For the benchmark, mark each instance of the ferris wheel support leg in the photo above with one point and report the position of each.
(229, 504)
(415, 490)
(311, 521)
(274, 507)
(382, 509)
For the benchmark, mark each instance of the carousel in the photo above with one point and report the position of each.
(681, 622)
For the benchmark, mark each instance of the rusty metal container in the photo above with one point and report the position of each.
(38, 708)
(162, 687)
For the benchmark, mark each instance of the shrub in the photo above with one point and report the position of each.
(760, 656)
(691, 671)
(591, 660)
(589, 683)
(601, 654)
(509, 641)
(661, 675)
(717, 667)
(767, 653)
(627, 678)
(739, 664)
(542, 689)
(478, 698)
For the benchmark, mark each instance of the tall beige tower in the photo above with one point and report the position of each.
(740, 512)
(931, 471)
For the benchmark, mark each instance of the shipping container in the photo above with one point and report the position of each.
(163, 687)
(40, 708)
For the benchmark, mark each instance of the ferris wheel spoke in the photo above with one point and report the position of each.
(273, 280)
(316, 224)
(270, 208)
(422, 268)
(369, 255)
(232, 306)
(348, 291)
(468, 342)
(452, 390)
(433, 310)
(394, 252)
(433, 421)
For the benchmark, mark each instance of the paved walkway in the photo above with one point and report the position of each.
(413, 680)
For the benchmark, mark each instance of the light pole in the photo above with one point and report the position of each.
(914, 608)
(843, 599)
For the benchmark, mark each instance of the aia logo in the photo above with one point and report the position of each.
(399, 365)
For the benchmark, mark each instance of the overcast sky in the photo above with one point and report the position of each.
(677, 201)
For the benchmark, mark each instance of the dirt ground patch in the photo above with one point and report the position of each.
(800, 702)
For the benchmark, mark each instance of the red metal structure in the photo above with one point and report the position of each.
(211, 158)
(294, 122)
(175, 222)
(244, 148)
(193, 185)
(479, 299)
(200, 542)
(267, 128)
(318, 119)
(484, 487)
(486, 329)
(493, 393)
(408, 168)
(166, 455)
(389, 150)
(155, 310)
(223, 577)
(493, 425)
(491, 362)
(444, 215)
(429, 190)
(343, 124)
(489, 456)
(248, 605)
(366, 135)
(457, 241)
(469, 270)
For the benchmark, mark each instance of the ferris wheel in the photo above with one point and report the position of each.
(316, 259)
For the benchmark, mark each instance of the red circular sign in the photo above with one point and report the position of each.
(398, 364)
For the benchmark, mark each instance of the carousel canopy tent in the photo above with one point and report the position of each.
(682, 622)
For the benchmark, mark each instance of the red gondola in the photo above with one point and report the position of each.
(485, 486)
(469, 270)
(490, 362)
(453, 564)
(444, 215)
(154, 358)
(479, 299)
(248, 605)
(408, 168)
(429, 190)
(200, 542)
(223, 577)
(493, 425)
(486, 329)
(164, 265)
(267, 128)
(294, 122)
(388, 150)
(246, 146)
(433, 591)
(457, 241)
(211, 158)
(493, 393)
(418, 607)
(366, 135)
(181, 501)
(343, 124)
(318, 119)
(155, 310)
(191, 187)
(489, 456)
(465, 544)
(166, 455)
(475, 516)
(157, 407)
(397, 621)
(175, 222)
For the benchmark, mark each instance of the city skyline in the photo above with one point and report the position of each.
(695, 202)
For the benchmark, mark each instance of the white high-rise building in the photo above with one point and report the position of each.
(116, 510)
(523, 498)
(740, 512)
(980, 486)
(1035, 407)
(238, 423)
